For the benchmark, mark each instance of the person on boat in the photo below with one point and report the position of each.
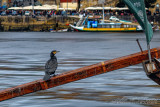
(51, 66)
(91, 25)
(56, 26)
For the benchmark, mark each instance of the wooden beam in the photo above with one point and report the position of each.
(78, 74)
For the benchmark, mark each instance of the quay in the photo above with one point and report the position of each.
(39, 23)
(81, 73)
(43, 23)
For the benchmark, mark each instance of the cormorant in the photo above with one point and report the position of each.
(51, 66)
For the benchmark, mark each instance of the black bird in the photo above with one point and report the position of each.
(51, 66)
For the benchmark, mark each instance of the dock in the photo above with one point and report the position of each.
(78, 74)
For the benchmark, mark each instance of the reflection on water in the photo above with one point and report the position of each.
(23, 56)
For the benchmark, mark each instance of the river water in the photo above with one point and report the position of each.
(24, 54)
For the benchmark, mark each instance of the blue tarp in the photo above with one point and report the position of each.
(4, 6)
(92, 24)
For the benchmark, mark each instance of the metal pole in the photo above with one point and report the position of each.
(22, 7)
(149, 53)
(103, 12)
(33, 6)
(67, 7)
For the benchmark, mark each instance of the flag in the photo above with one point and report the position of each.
(137, 7)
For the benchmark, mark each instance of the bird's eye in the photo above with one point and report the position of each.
(54, 52)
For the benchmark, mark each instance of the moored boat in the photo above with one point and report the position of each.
(60, 30)
(92, 24)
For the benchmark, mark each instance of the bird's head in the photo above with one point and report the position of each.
(53, 53)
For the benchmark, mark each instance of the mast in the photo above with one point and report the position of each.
(149, 53)
(33, 6)
(103, 12)
(102, 2)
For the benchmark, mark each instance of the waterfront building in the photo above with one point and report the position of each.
(113, 3)
(74, 4)
(89, 3)
(49, 2)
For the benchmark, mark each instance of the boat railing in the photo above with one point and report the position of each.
(113, 26)
(81, 21)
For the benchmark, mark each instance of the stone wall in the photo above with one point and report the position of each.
(89, 3)
(27, 23)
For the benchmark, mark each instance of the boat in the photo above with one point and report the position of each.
(152, 64)
(96, 24)
(152, 71)
(155, 28)
(60, 30)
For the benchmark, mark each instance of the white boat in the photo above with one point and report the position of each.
(60, 30)
(95, 24)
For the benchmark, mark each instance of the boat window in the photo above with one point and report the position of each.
(112, 26)
(133, 26)
(117, 26)
(99, 26)
(126, 26)
(107, 26)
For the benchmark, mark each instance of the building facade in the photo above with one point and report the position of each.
(89, 3)
(74, 4)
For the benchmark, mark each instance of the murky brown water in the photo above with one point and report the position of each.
(23, 56)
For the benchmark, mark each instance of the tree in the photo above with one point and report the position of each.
(148, 3)
(120, 4)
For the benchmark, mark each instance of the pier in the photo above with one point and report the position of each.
(78, 74)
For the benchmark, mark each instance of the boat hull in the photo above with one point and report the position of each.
(108, 30)
(81, 29)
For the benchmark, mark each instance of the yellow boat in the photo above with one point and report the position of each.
(87, 24)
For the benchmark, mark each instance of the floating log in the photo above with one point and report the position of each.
(78, 74)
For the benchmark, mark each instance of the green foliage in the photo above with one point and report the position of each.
(148, 3)
(120, 4)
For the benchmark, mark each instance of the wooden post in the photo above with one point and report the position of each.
(81, 73)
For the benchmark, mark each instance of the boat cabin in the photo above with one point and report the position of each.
(96, 23)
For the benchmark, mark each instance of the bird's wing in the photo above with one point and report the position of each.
(51, 65)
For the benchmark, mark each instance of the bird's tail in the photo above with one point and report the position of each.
(46, 77)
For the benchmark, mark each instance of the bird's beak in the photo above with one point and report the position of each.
(56, 52)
